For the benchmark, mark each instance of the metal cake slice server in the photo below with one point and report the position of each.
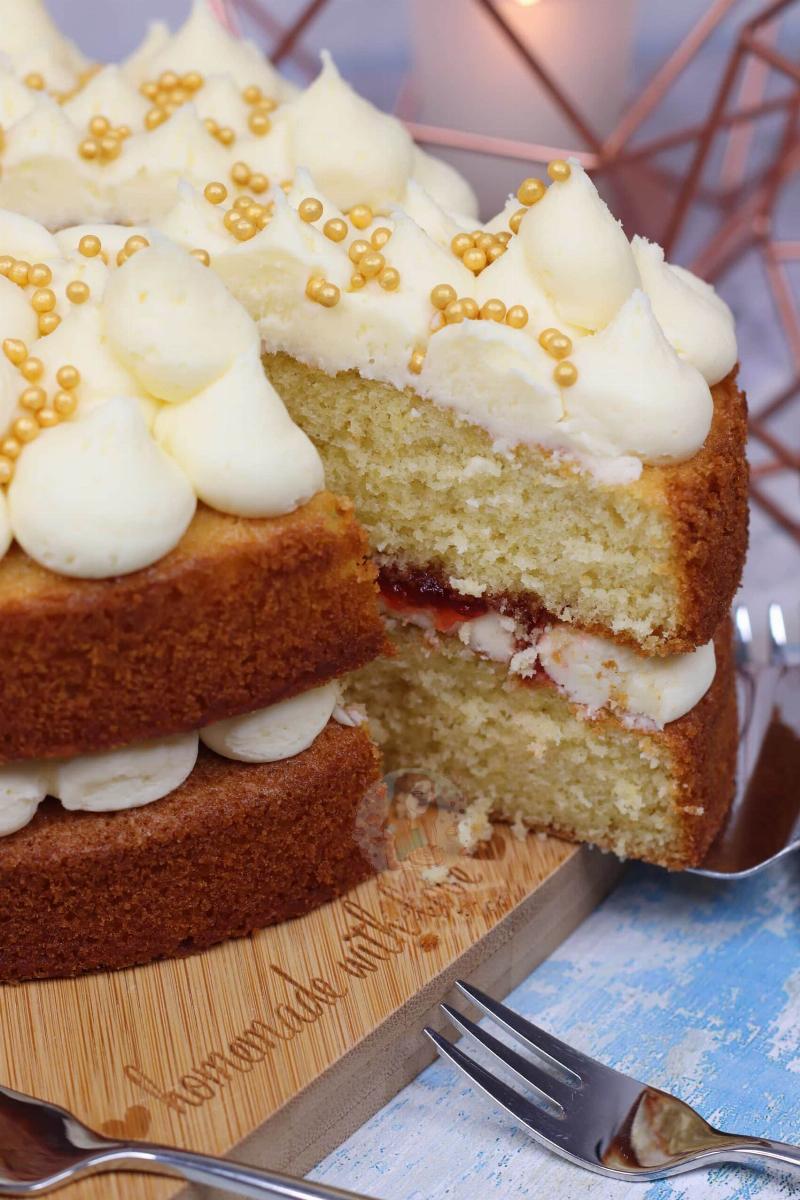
(43, 1147)
(764, 822)
(588, 1113)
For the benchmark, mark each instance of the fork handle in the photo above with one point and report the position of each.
(765, 1149)
(218, 1173)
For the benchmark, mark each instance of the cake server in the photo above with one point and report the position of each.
(43, 1147)
(588, 1113)
(769, 756)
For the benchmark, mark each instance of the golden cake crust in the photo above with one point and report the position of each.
(241, 614)
(235, 848)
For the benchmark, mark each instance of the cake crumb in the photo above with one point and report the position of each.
(467, 587)
(436, 875)
(428, 942)
(519, 829)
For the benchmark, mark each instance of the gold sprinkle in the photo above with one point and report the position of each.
(226, 135)
(65, 403)
(503, 237)
(389, 279)
(515, 219)
(43, 300)
(32, 369)
(240, 173)
(559, 346)
(335, 229)
(380, 237)
(357, 281)
(417, 360)
(328, 295)
(530, 191)
(244, 230)
(461, 243)
(123, 131)
(258, 183)
(10, 447)
(40, 275)
(99, 125)
(149, 89)
(252, 94)
(558, 170)
(496, 251)
(90, 245)
(201, 255)
(154, 117)
(15, 351)
(47, 417)
(33, 398)
(135, 243)
(565, 374)
(6, 263)
(442, 295)
(34, 80)
(259, 123)
(437, 322)
(19, 273)
(310, 209)
(517, 316)
(493, 310)
(371, 263)
(68, 377)
(6, 471)
(313, 286)
(168, 80)
(358, 249)
(48, 323)
(211, 125)
(25, 429)
(474, 259)
(470, 308)
(231, 219)
(192, 81)
(77, 291)
(242, 203)
(360, 215)
(454, 313)
(215, 192)
(110, 146)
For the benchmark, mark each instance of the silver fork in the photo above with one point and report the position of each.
(43, 1147)
(769, 703)
(588, 1113)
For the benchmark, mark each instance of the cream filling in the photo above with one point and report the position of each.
(592, 672)
(116, 780)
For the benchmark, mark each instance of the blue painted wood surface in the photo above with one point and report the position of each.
(686, 983)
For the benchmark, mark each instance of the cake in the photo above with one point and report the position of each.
(180, 599)
(537, 419)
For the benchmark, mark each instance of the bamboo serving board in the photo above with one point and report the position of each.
(275, 1048)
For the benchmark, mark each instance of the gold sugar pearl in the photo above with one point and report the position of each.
(231, 219)
(515, 220)
(211, 125)
(335, 229)
(47, 417)
(454, 313)
(286, 185)
(252, 94)
(242, 203)
(371, 263)
(149, 89)
(68, 377)
(78, 292)
(19, 273)
(168, 80)
(461, 243)
(259, 123)
(6, 263)
(442, 295)
(530, 191)
(470, 308)
(201, 255)
(34, 80)
(474, 259)
(6, 471)
(99, 125)
(33, 398)
(503, 237)
(65, 403)
(558, 170)
(310, 209)
(245, 229)
(358, 249)
(328, 295)
(40, 275)
(110, 146)
(437, 322)
(360, 216)
(215, 192)
(313, 286)
(192, 81)
(380, 237)
(493, 310)
(32, 369)
(240, 173)
(154, 117)
(134, 243)
(48, 323)
(357, 281)
(179, 96)
(43, 300)
(123, 131)
(485, 241)
(90, 245)
(559, 346)
(258, 183)
(389, 279)
(226, 135)
(517, 316)
(417, 360)
(565, 374)
(89, 148)
(255, 212)
(15, 351)
(25, 429)
(10, 447)
(496, 251)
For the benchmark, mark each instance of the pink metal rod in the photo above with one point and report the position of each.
(772, 56)
(485, 143)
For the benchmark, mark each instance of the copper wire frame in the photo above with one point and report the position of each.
(746, 205)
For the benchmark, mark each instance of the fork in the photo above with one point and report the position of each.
(590, 1114)
(43, 1147)
(769, 701)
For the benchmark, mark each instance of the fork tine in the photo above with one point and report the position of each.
(743, 635)
(551, 1089)
(777, 634)
(563, 1057)
(540, 1124)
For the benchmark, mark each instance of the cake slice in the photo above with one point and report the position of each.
(180, 598)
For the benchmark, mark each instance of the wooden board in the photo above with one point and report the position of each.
(274, 1048)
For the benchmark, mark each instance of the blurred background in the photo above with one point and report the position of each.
(450, 65)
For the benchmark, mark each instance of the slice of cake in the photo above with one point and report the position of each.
(179, 599)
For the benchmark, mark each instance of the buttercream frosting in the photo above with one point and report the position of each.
(127, 778)
(22, 789)
(273, 733)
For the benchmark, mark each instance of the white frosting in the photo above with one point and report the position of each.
(633, 394)
(273, 733)
(492, 636)
(579, 252)
(127, 778)
(22, 789)
(33, 43)
(97, 497)
(597, 673)
(694, 319)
